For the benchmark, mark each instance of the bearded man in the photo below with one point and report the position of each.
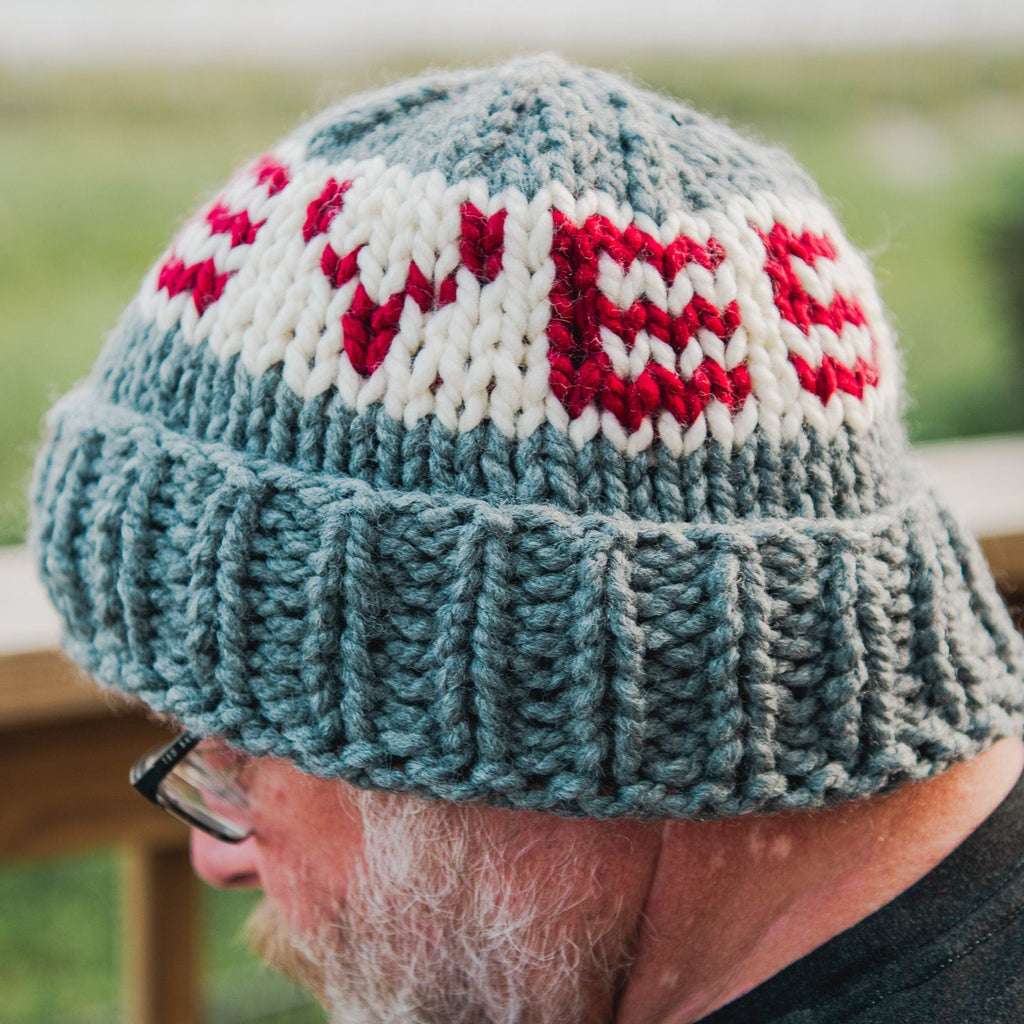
(502, 484)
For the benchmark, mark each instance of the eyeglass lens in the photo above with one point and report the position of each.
(205, 787)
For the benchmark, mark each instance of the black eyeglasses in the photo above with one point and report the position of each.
(198, 780)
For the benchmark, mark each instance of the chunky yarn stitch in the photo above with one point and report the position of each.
(520, 435)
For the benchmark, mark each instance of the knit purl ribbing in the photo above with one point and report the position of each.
(522, 436)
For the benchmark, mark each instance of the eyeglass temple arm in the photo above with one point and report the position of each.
(149, 780)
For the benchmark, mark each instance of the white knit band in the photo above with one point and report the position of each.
(463, 328)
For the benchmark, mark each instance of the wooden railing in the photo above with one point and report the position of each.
(64, 756)
(65, 750)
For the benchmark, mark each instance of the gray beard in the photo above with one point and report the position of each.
(447, 923)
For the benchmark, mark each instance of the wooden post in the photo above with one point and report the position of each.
(161, 955)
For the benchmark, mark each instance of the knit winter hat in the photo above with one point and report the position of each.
(522, 436)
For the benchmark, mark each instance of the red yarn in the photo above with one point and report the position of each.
(368, 328)
(791, 299)
(482, 242)
(223, 222)
(270, 172)
(337, 269)
(581, 371)
(803, 310)
(202, 279)
(324, 208)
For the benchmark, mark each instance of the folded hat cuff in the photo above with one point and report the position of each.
(522, 655)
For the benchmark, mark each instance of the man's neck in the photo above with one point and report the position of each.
(733, 902)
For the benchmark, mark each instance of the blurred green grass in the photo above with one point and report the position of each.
(61, 955)
(918, 151)
(57, 922)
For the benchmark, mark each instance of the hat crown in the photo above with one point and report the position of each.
(535, 248)
(541, 120)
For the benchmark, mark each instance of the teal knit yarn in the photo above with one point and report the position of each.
(522, 436)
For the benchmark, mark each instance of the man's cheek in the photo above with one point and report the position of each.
(303, 818)
(292, 886)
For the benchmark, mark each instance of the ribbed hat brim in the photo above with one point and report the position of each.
(519, 654)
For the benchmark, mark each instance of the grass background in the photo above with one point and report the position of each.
(921, 153)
